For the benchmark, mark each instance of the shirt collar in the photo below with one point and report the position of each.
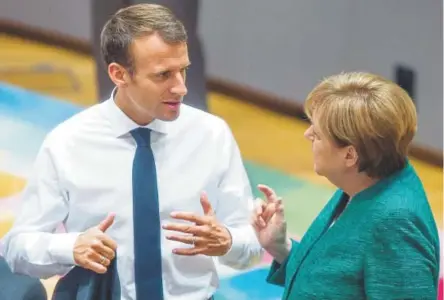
(122, 124)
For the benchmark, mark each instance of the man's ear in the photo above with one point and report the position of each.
(118, 75)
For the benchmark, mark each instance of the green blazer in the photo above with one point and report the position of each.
(384, 245)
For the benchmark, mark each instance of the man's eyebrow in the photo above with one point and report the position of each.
(163, 70)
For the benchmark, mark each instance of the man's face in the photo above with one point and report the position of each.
(157, 85)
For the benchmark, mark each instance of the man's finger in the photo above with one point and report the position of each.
(107, 222)
(189, 252)
(268, 192)
(206, 205)
(187, 239)
(107, 253)
(191, 217)
(104, 250)
(95, 266)
(109, 242)
(185, 228)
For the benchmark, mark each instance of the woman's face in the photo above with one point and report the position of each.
(329, 159)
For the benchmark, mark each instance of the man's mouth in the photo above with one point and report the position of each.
(172, 104)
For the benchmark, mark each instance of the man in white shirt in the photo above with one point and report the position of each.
(141, 177)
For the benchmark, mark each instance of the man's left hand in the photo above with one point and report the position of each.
(207, 235)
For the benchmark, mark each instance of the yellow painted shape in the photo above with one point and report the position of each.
(49, 70)
(6, 222)
(10, 185)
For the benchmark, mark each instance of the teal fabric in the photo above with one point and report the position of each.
(384, 245)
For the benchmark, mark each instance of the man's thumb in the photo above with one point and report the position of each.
(206, 205)
(107, 222)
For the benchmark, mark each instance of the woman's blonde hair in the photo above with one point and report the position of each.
(371, 113)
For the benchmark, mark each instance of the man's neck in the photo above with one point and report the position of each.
(125, 104)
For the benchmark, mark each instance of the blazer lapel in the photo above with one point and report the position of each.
(319, 226)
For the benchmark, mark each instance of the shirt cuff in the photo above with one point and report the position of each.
(237, 246)
(61, 247)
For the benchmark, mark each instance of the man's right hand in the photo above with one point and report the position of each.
(93, 249)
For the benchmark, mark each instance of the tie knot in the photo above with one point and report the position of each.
(142, 136)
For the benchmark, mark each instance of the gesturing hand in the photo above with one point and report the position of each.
(93, 249)
(207, 235)
(270, 225)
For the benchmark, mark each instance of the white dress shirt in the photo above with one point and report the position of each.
(83, 171)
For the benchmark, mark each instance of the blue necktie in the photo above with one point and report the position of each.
(147, 250)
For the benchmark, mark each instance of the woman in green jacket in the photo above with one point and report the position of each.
(376, 238)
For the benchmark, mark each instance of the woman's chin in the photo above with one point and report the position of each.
(317, 170)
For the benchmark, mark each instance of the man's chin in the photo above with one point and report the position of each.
(169, 117)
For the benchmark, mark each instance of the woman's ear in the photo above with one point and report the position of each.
(351, 156)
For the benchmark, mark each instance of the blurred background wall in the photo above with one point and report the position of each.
(283, 48)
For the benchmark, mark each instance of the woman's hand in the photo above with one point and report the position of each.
(270, 225)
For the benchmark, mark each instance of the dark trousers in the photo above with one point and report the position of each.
(19, 287)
